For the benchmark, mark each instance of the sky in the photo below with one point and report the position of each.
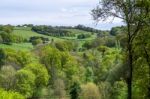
(52, 12)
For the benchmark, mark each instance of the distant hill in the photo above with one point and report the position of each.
(26, 32)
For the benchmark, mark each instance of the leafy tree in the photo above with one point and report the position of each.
(98, 42)
(72, 71)
(134, 16)
(103, 34)
(5, 33)
(75, 90)
(25, 82)
(88, 29)
(51, 31)
(106, 90)
(141, 65)
(40, 72)
(6, 38)
(37, 41)
(51, 57)
(87, 45)
(41, 77)
(89, 75)
(2, 57)
(110, 67)
(83, 36)
(102, 49)
(59, 89)
(1, 39)
(15, 58)
(62, 46)
(116, 30)
(10, 95)
(110, 42)
(119, 90)
(90, 91)
(16, 38)
(66, 45)
(6, 28)
(7, 77)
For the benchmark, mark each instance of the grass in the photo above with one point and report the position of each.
(26, 33)
(77, 32)
(18, 46)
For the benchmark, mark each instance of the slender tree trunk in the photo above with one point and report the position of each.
(130, 62)
(129, 81)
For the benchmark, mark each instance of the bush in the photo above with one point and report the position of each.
(98, 42)
(65, 46)
(10, 95)
(25, 82)
(1, 39)
(37, 41)
(6, 38)
(6, 28)
(90, 91)
(62, 46)
(2, 57)
(41, 77)
(40, 72)
(16, 39)
(87, 45)
(7, 77)
(59, 89)
(106, 90)
(120, 90)
(51, 31)
(110, 42)
(75, 90)
(83, 36)
(17, 59)
(10, 38)
(102, 49)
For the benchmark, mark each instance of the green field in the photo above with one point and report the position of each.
(18, 46)
(77, 32)
(26, 33)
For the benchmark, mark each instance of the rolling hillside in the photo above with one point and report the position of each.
(26, 33)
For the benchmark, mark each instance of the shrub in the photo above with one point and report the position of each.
(59, 89)
(90, 91)
(83, 36)
(37, 41)
(7, 77)
(40, 72)
(1, 39)
(75, 90)
(25, 82)
(10, 95)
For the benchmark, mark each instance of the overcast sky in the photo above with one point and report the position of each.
(51, 12)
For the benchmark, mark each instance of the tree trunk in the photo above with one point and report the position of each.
(130, 61)
(129, 80)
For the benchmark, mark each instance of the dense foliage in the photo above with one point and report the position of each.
(7, 37)
(51, 31)
(86, 66)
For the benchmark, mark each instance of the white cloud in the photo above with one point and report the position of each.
(52, 12)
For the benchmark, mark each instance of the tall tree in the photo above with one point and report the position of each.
(51, 58)
(134, 15)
